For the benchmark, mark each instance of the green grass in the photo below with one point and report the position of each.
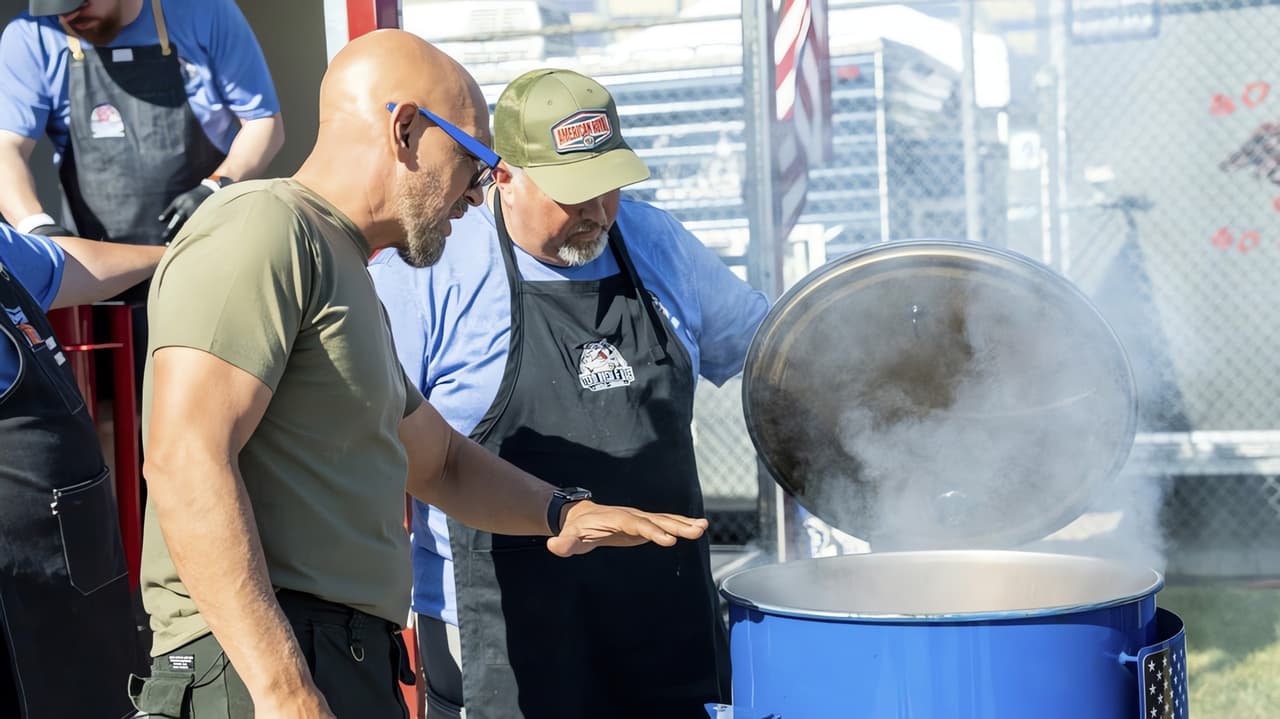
(1233, 648)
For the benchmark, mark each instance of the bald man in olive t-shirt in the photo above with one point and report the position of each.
(333, 413)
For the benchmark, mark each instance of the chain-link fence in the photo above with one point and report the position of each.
(1133, 145)
(1159, 115)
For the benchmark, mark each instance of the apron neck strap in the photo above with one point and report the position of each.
(157, 15)
(162, 30)
(623, 256)
(73, 41)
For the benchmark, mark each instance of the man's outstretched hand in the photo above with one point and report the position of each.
(588, 525)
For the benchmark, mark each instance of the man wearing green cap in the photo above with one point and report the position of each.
(565, 328)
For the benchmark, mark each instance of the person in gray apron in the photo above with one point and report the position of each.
(123, 191)
(145, 107)
(137, 160)
(594, 381)
(66, 620)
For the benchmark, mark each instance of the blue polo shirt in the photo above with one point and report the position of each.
(452, 327)
(226, 75)
(37, 264)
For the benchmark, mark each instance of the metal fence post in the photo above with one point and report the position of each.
(968, 109)
(764, 257)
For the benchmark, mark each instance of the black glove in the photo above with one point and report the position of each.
(52, 231)
(182, 208)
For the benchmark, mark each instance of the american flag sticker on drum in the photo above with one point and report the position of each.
(1163, 677)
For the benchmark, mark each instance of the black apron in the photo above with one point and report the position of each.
(64, 596)
(135, 143)
(597, 393)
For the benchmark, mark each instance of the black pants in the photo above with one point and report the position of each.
(357, 661)
(439, 655)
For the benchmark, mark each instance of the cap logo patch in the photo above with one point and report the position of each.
(581, 131)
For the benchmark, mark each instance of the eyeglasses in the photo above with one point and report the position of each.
(488, 158)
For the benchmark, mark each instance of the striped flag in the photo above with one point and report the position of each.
(1162, 673)
(802, 81)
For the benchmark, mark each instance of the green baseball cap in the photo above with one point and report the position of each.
(562, 128)
(36, 8)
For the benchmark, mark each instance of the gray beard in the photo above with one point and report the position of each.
(577, 256)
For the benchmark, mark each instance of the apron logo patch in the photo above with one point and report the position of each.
(105, 121)
(19, 320)
(182, 662)
(603, 367)
(581, 131)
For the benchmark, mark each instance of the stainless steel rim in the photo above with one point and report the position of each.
(1155, 584)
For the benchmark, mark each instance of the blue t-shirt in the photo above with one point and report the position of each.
(37, 264)
(226, 74)
(452, 327)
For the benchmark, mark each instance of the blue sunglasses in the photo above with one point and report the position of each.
(469, 143)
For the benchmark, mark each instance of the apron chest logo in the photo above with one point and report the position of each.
(603, 367)
(105, 121)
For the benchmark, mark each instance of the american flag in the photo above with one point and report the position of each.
(1164, 675)
(802, 81)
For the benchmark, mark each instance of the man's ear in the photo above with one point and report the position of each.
(502, 175)
(401, 128)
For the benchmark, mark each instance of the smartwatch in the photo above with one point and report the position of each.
(559, 499)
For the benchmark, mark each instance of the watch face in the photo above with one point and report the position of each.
(576, 494)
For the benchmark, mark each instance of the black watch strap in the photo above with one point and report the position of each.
(559, 499)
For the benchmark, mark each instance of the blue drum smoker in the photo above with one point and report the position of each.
(953, 633)
(949, 402)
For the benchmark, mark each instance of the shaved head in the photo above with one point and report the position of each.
(396, 66)
(408, 176)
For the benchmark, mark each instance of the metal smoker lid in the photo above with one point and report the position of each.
(939, 395)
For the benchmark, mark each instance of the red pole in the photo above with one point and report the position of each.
(125, 418)
(365, 16)
(73, 327)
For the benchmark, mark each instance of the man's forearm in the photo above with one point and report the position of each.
(18, 199)
(209, 529)
(256, 144)
(98, 270)
(471, 484)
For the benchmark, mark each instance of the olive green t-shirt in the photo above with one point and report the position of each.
(271, 278)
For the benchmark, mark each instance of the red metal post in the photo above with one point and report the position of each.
(125, 419)
(73, 327)
(365, 16)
